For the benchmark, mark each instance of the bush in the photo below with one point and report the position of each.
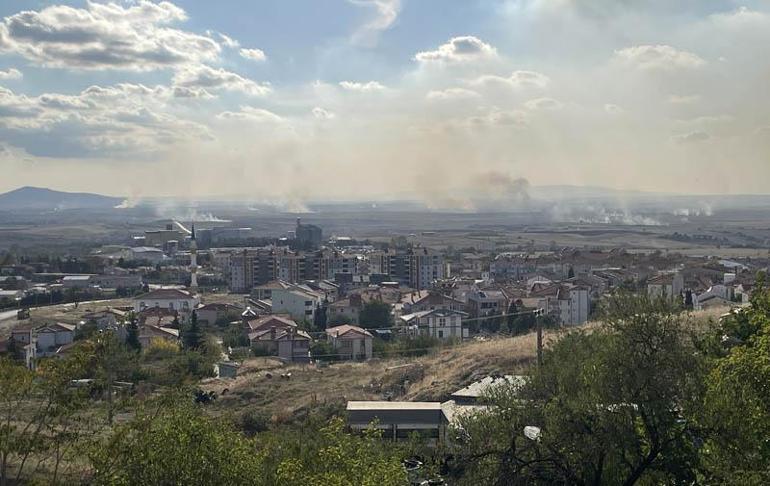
(161, 349)
(253, 421)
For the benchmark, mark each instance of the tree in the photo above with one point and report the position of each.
(175, 443)
(192, 337)
(612, 406)
(325, 454)
(132, 335)
(737, 398)
(319, 321)
(375, 314)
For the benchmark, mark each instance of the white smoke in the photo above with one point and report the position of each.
(589, 214)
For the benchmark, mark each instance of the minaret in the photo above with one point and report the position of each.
(193, 261)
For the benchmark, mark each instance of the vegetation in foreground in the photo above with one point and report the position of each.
(644, 398)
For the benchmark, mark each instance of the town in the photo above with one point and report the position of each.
(384, 243)
(303, 295)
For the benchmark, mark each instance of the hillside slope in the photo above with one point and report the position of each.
(38, 198)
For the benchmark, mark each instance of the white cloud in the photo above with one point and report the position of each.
(252, 114)
(683, 99)
(386, 13)
(112, 121)
(691, 137)
(322, 114)
(658, 57)
(458, 49)
(452, 94)
(543, 104)
(368, 87)
(10, 73)
(134, 36)
(226, 40)
(613, 109)
(253, 54)
(517, 80)
(497, 117)
(206, 77)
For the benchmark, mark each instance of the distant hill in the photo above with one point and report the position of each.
(38, 198)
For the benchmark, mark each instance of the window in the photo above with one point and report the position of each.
(308, 313)
(308, 303)
(441, 334)
(171, 306)
(442, 322)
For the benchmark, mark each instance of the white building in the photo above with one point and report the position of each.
(438, 323)
(570, 306)
(667, 285)
(299, 302)
(176, 300)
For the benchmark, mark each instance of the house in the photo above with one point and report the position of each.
(568, 304)
(482, 303)
(214, 312)
(256, 326)
(145, 253)
(50, 337)
(43, 340)
(438, 323)
(428, 300)
(106, 319)
(175, 300)
(279, 336)
(77, 281)
(477, 392)
(431, 420)
(8, 297)
(345, 310)
(350, 342)
(265, 291)
(149, 332)
(666, 285)
(710, 301)
(398, 420)
(300, 302)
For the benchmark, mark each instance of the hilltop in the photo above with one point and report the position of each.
(39, 198)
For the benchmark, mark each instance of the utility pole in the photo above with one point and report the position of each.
(539, 327)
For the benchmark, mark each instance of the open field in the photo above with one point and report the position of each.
(431, 377)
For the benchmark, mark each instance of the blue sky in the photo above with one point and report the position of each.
(300, 99)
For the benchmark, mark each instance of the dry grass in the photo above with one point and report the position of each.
(431, 377)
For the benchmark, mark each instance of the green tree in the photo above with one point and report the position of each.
(132, 335)
(327, 455)
(192, 337)
(612, 406)
(175, 443)
(738, 396)
(375, 314)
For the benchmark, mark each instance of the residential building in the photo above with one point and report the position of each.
(666, 285)
(214, 312)
(300, 302)
(77, 281)
(438, 323)
(568, 304)
(487, 302)
(427, 300)
(350, 342)
(149, 332)
(175, 300)
(251, 267)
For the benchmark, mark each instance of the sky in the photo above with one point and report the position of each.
(298, 100)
